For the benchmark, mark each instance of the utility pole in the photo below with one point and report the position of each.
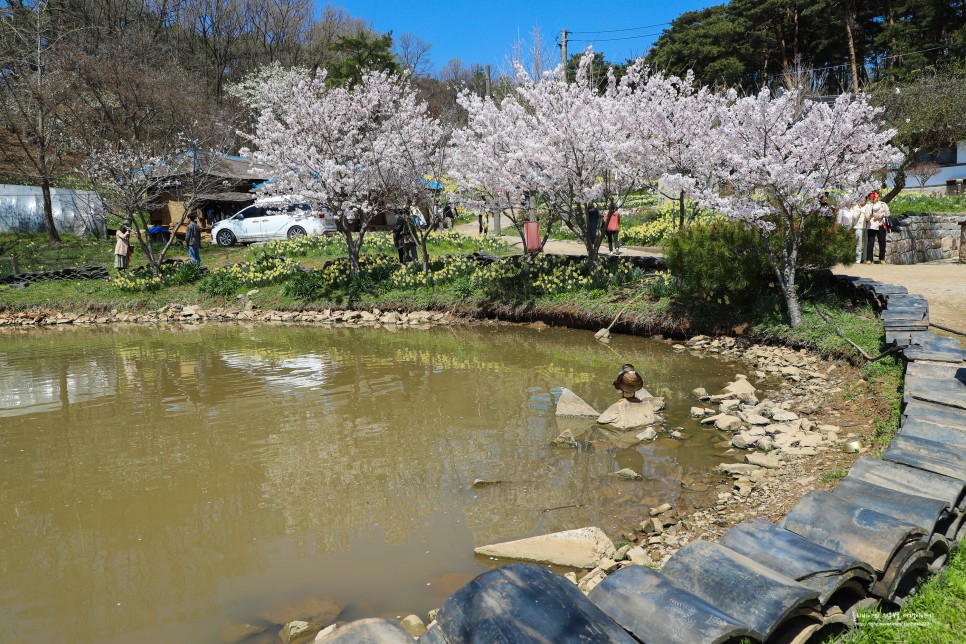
(563, 51)
(489, 93)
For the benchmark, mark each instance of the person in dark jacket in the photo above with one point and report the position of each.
(192, 238)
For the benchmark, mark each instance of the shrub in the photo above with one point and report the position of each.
(185, 273)
(728, 259)
(219, 284)
(724, 258)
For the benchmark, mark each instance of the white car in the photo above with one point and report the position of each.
(272, 219)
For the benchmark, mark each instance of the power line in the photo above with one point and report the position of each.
(612, 39)
(611, 31)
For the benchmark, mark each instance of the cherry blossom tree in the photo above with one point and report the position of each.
(132, 178)
(674, 121)
(566, 145)
(779, 154)
(355, 150)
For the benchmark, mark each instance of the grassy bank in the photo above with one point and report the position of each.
(313, 273)
(936, 615)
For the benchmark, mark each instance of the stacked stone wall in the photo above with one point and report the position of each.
(924, 237)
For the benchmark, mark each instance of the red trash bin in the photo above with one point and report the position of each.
(531, 236)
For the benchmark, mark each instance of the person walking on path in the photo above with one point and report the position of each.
(613, 226)
(860, 216)
(192, 238)
(122, 248)
(877, 229)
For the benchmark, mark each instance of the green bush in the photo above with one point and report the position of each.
(729, 259)
(826, 244)
(306, 285)
(721, 258)
(186, 273)
(219, 283)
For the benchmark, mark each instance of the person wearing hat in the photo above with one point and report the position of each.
(192, 238)
(877, 229)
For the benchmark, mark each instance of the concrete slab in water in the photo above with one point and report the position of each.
(571, 405)
(581, 548)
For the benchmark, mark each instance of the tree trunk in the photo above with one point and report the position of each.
(681, 211)
(899, 181)
(791, 301)
(52, 235)
(851, 39)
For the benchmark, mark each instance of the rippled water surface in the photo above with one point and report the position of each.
(166, 484)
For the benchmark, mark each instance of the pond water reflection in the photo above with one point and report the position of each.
(158, 484)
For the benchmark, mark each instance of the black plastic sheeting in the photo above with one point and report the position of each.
(653, 609)
(910, 479)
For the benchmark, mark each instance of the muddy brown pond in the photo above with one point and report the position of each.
(162, 484)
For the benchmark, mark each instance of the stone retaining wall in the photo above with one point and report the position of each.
(924, 238)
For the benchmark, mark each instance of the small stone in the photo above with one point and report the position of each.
(413, 625)
(701, 393)
(298, 632)
(660, 509)
(728, 423)
(565, 439)
(637, 555)
(572, 576)
(784, 416)
(628, 474)
(763, 460)
(743, 440)
(647, 435)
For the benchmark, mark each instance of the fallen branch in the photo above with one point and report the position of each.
(865, 355)
(946, 328)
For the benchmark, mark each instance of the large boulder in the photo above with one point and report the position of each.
(571, 405)
(626, 414)
(581, 548)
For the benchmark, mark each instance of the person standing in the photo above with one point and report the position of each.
(122, 248)
(192, 238)
(593, 223)
(860, 222)
(613, 226)
(877, 229)
(398, 230)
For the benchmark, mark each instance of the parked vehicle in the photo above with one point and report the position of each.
(273, 218)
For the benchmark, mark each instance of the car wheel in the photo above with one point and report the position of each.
(295, 231)
(225, 238)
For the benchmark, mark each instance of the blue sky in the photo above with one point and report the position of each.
(483, 31)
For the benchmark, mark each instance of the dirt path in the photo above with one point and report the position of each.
(554, 246)
(942, 283)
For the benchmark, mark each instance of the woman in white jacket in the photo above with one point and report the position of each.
(877, 230)
(860, 215)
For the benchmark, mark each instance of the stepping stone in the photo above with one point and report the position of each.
(626, 414)
(523, 604)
